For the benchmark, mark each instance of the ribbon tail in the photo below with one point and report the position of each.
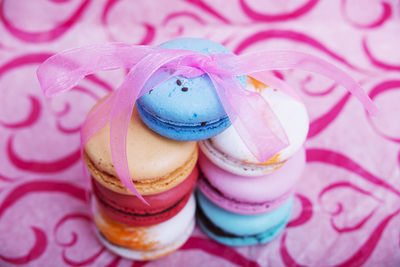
(283, 60)
(95, 121)
(137, 82)
(253, 119)
(64, 70)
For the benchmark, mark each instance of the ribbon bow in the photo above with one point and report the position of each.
(249, 113)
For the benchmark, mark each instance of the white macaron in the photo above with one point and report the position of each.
(228, 151)
(146, 242)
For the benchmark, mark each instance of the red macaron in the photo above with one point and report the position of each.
(128, 209)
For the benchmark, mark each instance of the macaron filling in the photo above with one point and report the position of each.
(131, 217)
(152, 186)
(197, 131)
(147, 214)
(234, 163)
(182, 125)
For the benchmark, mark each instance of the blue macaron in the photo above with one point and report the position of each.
(186, 108)
(241, 230)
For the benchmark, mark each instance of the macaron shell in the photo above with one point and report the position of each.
(199, 103)
(159, 237)
(144, 188)
(194, 132)
(150, 155)
(291, 113)
(130, 210)
(237, 241)
(243, 225)
(258, 189)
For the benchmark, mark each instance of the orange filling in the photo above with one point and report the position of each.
(133, 237)
(271, 161)
(278, 166)
(258, 86)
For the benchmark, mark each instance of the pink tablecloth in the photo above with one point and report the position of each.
(348, 201)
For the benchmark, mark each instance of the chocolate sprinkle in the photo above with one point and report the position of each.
(184, 89)
(150, 91)
(203, 123)
(178, 82)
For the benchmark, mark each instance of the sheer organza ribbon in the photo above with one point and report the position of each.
(248, 111)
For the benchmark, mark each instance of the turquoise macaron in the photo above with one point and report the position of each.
(186, 109)
(241, 230)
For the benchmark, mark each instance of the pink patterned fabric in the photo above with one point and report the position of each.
(348, 202)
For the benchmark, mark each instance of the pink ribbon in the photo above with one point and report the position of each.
(248, 111)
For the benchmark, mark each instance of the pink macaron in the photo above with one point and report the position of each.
(250, 195)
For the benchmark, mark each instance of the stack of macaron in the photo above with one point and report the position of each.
(242, 201)
(164, 172)
(162, 153)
